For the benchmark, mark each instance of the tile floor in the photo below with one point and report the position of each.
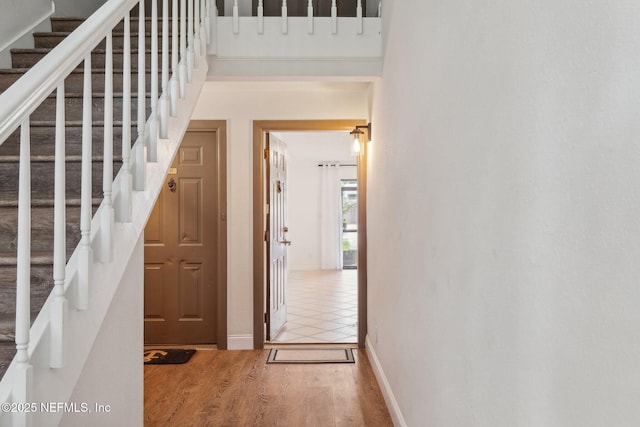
(322, 306)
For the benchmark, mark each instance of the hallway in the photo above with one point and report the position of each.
(237, 388)
(322, 307)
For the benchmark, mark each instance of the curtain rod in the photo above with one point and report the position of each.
(336, 164)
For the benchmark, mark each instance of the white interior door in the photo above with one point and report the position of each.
(277, 236)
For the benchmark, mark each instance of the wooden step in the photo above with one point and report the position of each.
(68, 24)
(41, 228)
(26, 58)
(75, 81)
(41, 285)
(7, 351)
(52, 39)
(43, 137)
(42, 179)
(73, 107)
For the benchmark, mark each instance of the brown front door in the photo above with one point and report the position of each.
(278, 241)
(180, 270)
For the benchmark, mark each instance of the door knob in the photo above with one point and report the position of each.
(172, 185)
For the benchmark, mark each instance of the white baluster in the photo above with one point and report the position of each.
(60, 306)
(173, 83)
(359, 16)
(285, 23)
(196, 33)
(24, 382)
(164, 97)
(236, 18)
(140, 158)
(190, 52)
(207, 20)
(152, 154)
(204, 40)
(214, 29)
(106, 222)
(183, 47)
(334, 17)
(85, 252)
(260, 17)
(310, 17)
(125, 192)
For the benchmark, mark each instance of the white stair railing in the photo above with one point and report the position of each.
(19, 102)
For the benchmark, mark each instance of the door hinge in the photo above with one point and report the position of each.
(266, 235)
(266, 153)
(266, 318)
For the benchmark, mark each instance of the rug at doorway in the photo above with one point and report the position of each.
(311, 355)
(167, 356)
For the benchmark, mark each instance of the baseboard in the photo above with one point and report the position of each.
(385, 387)
(240, 342)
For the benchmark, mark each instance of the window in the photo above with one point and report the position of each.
(349, 223)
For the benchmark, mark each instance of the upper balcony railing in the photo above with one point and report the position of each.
(308, 45)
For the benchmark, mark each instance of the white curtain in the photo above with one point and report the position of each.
(330, 218)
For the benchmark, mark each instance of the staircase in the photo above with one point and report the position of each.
(42, 157)
(51, 185)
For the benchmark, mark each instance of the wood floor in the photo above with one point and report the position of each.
(237, 388)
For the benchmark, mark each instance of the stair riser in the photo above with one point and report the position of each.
(29, 59)
(52, 40)
(41, 286)
(42, 178)
(43, 137)
(41, 229)
(73, 109)
(75, 81)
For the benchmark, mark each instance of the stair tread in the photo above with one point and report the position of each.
(50, 158)
(37, 258)
(49, 49)
(94, 70)
(40, 203)
(66, 33)
(84, 18)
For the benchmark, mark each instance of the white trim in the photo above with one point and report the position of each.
(385, 387)
(240, 342)
(27, 30)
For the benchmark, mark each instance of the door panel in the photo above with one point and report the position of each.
(190, 217)
(277, 247)
(191, 292)
(154, 286)
(181, 248)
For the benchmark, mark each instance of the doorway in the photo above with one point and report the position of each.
(266, 236)
(185, 272)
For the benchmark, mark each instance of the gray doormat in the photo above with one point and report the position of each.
(311, 355)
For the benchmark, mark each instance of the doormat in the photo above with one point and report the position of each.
(167, 356)
(311, 355)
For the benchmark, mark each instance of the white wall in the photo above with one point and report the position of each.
(113, 374)
(305, 151)
(504, 213)
(17, 21)
(239, 103)
(77, 8)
